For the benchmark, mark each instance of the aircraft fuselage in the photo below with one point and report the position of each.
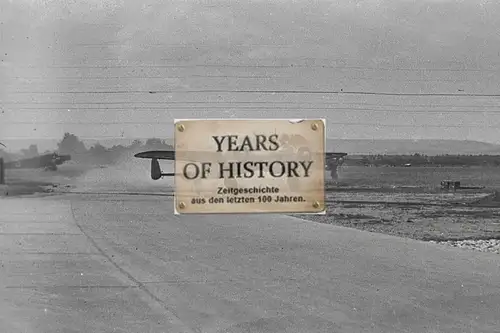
(48, 161)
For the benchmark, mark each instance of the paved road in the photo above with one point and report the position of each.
(97, 263)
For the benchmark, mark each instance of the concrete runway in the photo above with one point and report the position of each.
(111, 263)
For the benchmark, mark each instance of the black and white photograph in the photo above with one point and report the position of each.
(257, 166)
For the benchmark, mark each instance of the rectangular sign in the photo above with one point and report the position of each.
(249, 166)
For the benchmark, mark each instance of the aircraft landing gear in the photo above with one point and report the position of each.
(333, 166)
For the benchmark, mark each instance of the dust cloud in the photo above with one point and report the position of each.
(130, 174)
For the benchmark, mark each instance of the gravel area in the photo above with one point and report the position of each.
(482, 245)
(428, 217)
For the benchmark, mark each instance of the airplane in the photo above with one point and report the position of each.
(332, 161)
(48, 162)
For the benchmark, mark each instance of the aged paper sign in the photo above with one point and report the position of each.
(249, 166)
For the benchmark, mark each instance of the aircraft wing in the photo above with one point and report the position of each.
(189, 156)
(331, 159)
(158, 154)
(335, 155)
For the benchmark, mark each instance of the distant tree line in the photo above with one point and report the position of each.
(424, 160)
(98, 154)
(70, 144)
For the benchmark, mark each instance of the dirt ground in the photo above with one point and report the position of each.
(22, 182)
(414, 211)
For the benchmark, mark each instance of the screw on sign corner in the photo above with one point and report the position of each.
(181, 128)
(316, 205)
(314, 127)
(182, 205)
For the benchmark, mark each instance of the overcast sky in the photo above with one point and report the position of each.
(79, 65)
